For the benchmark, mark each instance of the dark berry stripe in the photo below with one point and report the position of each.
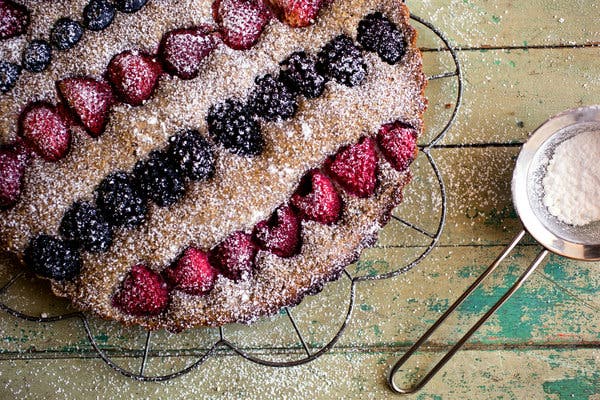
(121, 198)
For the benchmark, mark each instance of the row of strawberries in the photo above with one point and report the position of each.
(132, 76)
(354, 168)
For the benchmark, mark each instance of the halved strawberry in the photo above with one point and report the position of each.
(241, 22)
(45, 131)
(234, 257)
(296, 13)
(355, 168)
(193, 273)
(281, 233)
(89, 100)
(143, 292)
(398, 143)
(14, 19)
(317, 199)
(12, 169)
(134, 76)
(183, 50)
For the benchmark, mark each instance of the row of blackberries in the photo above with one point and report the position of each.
(121, 201)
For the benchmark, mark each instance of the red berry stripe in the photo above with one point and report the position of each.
(132, 77)
(317, 198)
(14, 19)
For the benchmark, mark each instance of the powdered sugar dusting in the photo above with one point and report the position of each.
(572, 181)
(244, 190)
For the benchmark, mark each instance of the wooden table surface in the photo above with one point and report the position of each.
(523, 61)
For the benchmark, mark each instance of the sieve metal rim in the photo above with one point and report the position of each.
(520, 184)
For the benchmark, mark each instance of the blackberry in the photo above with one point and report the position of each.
(342, 61)
(299, 72)
(52, 258)
(160, 179)
(130, 6)
(378, 34)
(98, 15)
(65, 33)
(84, 224)
(37, 56)
(272, 100)
(9, 74)
(193, 154)
(231, 124)
(121, 201)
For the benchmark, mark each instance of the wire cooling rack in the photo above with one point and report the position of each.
(304, 351)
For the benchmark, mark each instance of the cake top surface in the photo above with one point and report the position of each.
(197, 77)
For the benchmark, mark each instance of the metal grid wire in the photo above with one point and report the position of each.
(308, 355)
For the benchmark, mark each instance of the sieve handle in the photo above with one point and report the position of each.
(417, 386)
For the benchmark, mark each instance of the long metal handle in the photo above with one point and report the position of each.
(536, 262)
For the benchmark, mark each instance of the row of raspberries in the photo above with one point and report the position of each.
(239, 24)
(131, 77)
(145, 292)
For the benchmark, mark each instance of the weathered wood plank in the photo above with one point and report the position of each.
(559, 305)
(509, 93)
(484, 23)
(528, 350)
(533, 374)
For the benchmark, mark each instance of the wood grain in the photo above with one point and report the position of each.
(522, 62)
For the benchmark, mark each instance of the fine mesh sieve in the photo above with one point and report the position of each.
(577, 242)
(580, 242)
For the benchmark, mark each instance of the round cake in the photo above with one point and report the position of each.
(197, 163)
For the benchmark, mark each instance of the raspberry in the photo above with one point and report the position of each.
(317, 199)
(272, 100)
(66, 33)
(232, 125)
(355, 168)
(280, 234)
(240, 22)
(193, 154)
(37, 56)
(160, 179)
(9, 74)
(120, 200)
(14, 19)
(12, 169)
(142, 293)
(45, 130)
(398, 143)
(134, 76)
(234, 257)
(89, 100)
(84, 224)
(378, 34)
(299, 72)
(193, 273)
(52, 258)
(296, 13)
(342, 61)
(183, 50)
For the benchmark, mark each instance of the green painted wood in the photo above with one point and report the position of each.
(532, 374)
(520, 67)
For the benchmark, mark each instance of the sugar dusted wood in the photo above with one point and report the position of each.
(544, 344)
